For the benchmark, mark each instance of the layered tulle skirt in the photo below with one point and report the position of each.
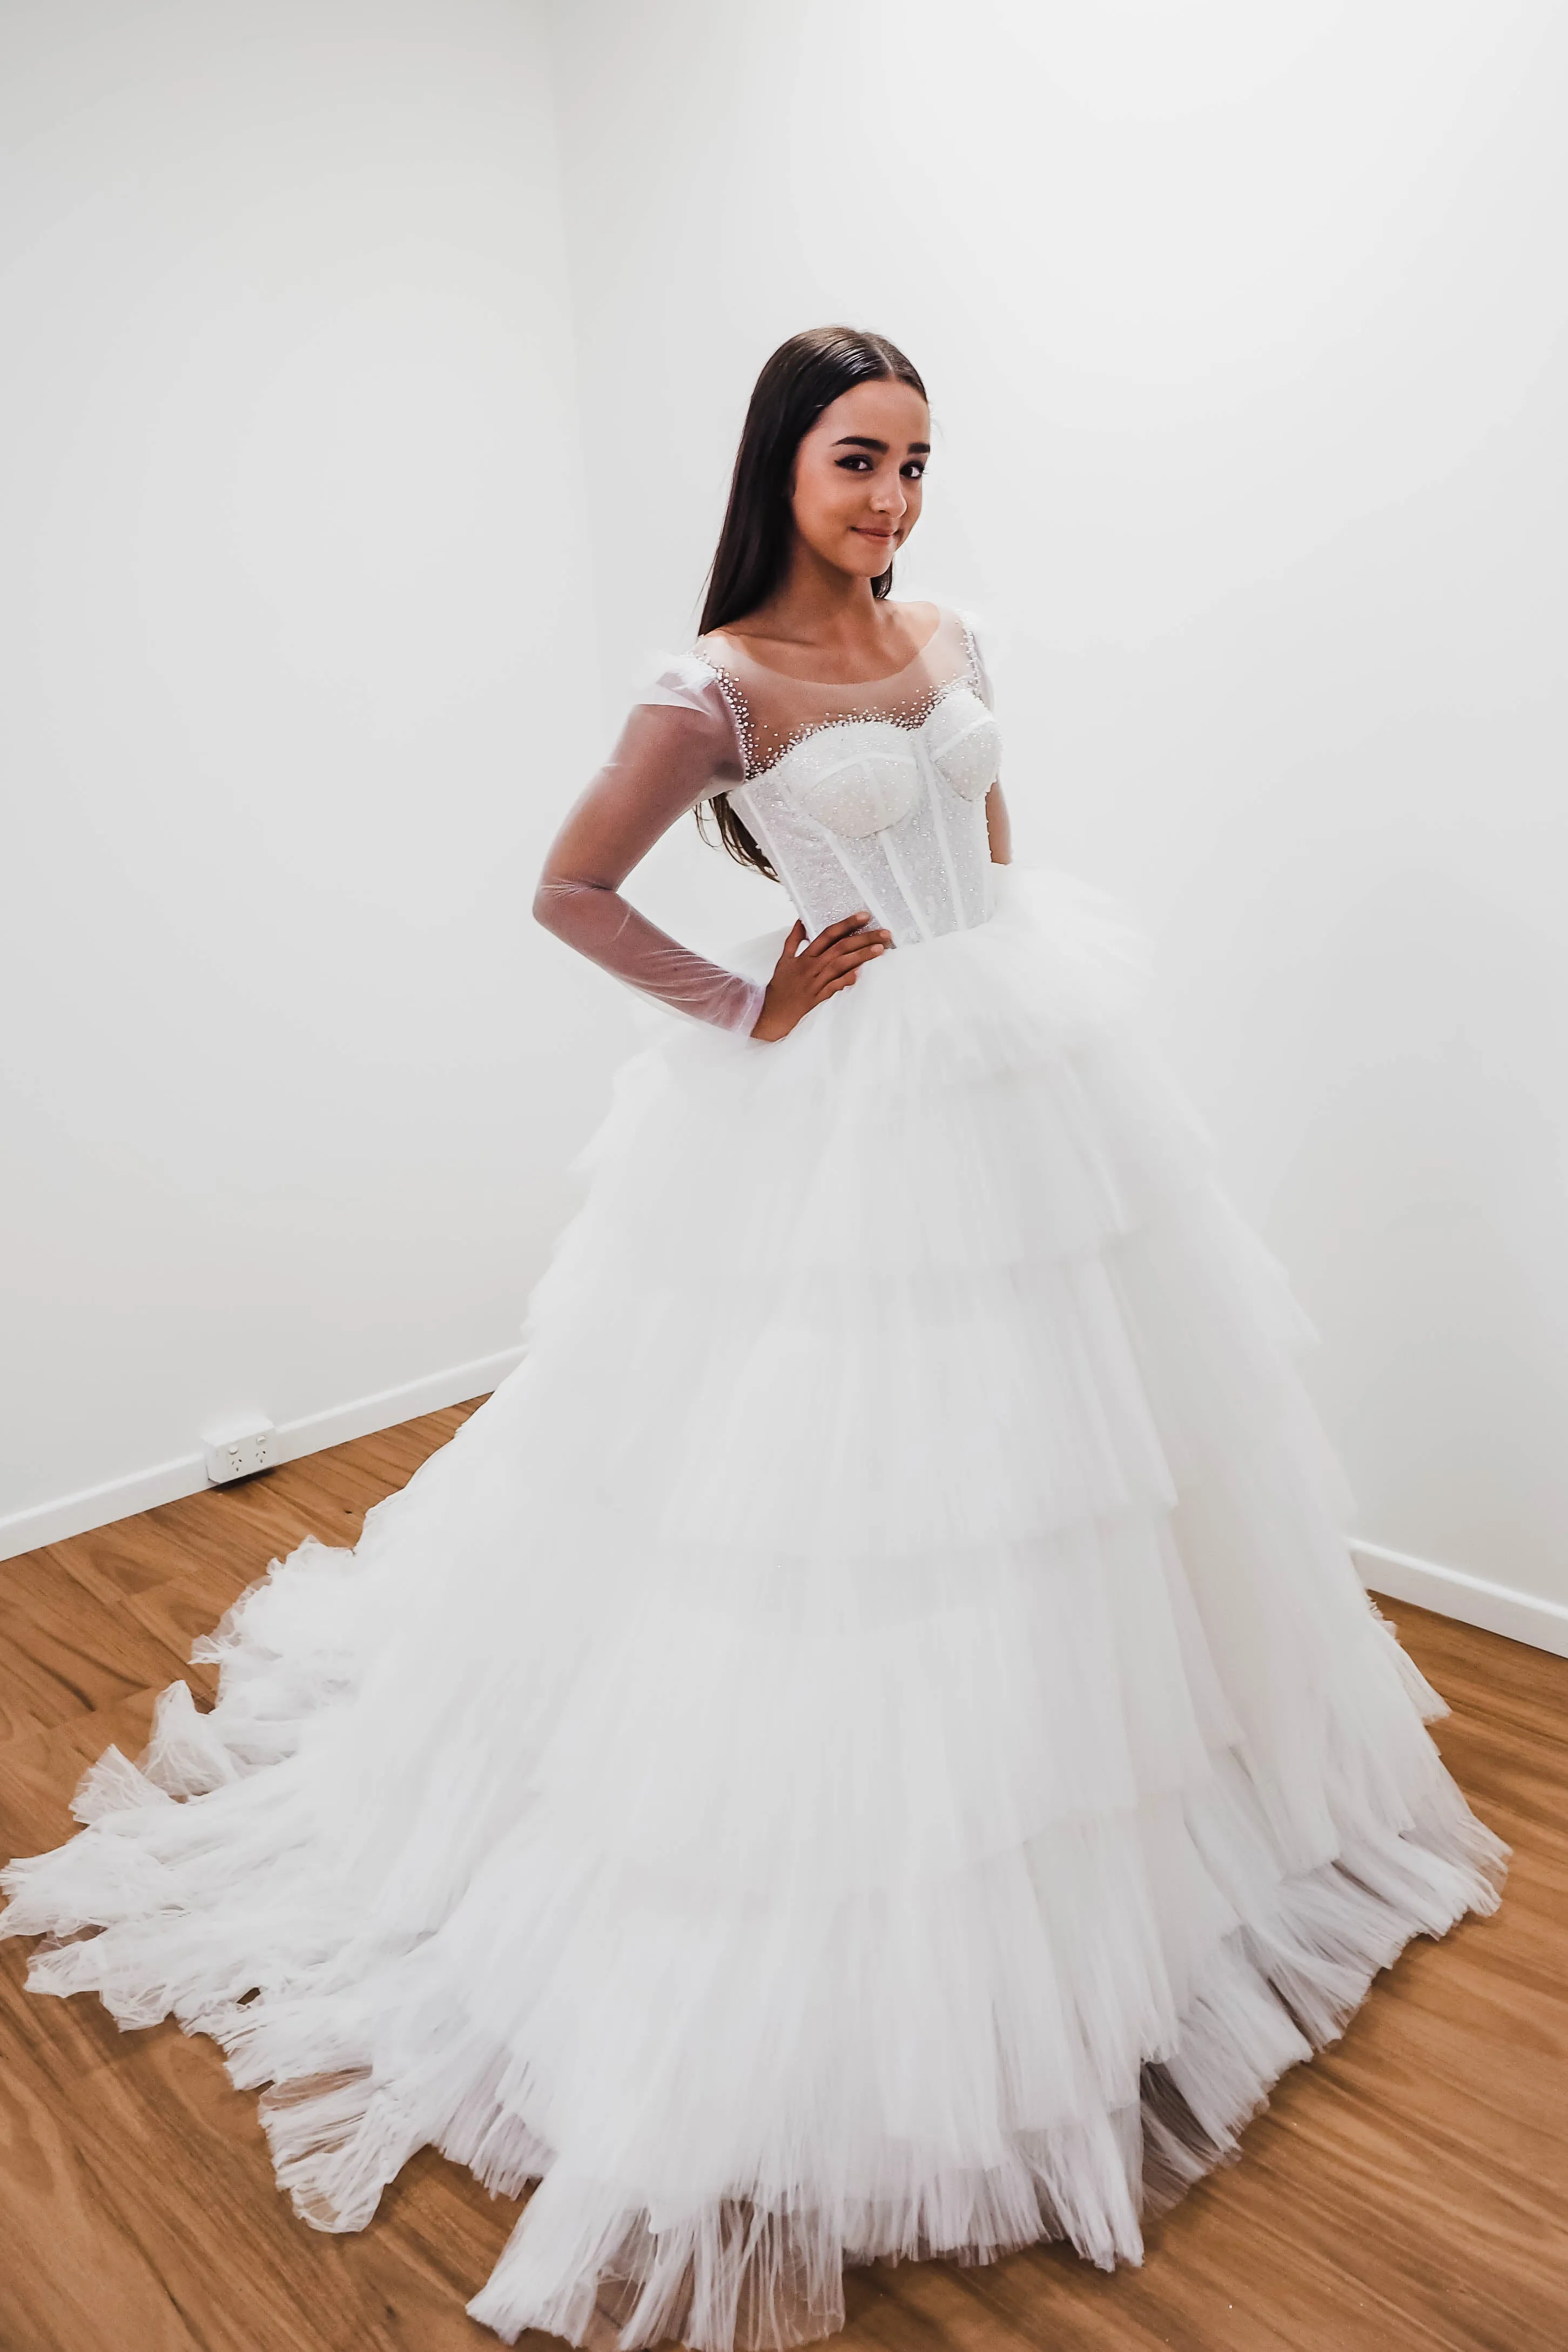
(870, 1743)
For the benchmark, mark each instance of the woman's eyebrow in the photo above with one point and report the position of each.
(866, 441)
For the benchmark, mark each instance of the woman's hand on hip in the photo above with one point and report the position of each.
(804, 975)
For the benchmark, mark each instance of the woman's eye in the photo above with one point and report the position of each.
(915, 469)
(854, 463)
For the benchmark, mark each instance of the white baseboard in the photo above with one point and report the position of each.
(389, 1406)
(1473, 1599)
(96, 1507)
(166, 1482)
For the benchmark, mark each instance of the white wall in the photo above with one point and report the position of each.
(293, 538)
(1244, 332)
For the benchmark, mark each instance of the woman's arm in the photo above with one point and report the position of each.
(999, 826)
(669, 757)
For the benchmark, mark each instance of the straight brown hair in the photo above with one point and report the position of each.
(804, 376)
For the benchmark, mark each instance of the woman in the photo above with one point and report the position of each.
(871, 1741)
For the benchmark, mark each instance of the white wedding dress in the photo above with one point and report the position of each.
(871, 1742)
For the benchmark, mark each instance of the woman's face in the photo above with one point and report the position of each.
(856, 489)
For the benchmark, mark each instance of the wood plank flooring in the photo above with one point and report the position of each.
(1408, 2189)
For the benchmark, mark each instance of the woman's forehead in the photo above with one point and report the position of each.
(890, 410)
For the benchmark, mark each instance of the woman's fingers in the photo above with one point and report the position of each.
(840, 929)
(849, 955)
(857, 951)
(790, 949)
(850, 929)
(850, 944)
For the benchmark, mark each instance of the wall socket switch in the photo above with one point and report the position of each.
(238, 1450)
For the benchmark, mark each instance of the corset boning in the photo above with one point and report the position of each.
(866, 813)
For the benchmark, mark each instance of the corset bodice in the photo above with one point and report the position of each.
(873, 796)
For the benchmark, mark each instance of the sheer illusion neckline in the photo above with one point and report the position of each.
(834, 685)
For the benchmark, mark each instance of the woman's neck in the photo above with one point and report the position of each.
(821, 608)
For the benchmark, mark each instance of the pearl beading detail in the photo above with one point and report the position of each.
(762, 747)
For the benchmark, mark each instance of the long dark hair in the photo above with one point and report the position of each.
(802, 378)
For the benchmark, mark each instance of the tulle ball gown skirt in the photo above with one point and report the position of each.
(869, 1743)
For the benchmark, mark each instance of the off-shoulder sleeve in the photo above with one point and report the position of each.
(981, 636)
(982, 648)
(677, 747)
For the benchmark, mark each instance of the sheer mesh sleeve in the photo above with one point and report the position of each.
(998, 823)
(677, 746)
(980, 635)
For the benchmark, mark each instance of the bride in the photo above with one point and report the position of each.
(871, 1741)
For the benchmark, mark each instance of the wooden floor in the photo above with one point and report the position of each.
(1408, 2189)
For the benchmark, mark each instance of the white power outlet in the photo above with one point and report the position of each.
(238, 1450)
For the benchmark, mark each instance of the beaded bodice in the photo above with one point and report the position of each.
(870, 796)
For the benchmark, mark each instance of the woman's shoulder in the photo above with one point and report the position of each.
(715, 649)
(942, 625)
(924, 614)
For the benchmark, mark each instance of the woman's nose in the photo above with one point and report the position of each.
(887, 497)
